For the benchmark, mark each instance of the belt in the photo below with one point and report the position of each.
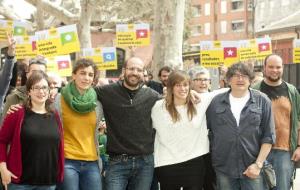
(124, 156)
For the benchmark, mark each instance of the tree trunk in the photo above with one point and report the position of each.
(84, 30)
(168, 34)
(40, 16)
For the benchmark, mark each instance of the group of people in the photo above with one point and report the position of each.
(177, 133)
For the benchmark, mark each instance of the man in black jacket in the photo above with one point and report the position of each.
(127, 110)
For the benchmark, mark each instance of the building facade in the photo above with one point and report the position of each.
(220, 20)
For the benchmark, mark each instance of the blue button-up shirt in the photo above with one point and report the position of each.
(234, 147)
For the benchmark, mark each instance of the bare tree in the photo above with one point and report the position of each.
(168, 34)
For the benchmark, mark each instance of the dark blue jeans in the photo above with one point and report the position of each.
(133, 172)
(227, 183)
(283, 166)
(13, 186)
(81, 175)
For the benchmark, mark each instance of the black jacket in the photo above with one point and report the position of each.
(129, 124)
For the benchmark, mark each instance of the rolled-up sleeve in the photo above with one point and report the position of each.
(268, 124)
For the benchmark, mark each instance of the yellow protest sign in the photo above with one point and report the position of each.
(264, 48)
(230, 52)
(216, 53)
(25, 47)
(49, 47)
(60, 64)
(20, 28)
(105, 58)
(247, 49)
(211, 58)
(69, 39)
(6, 26)
(133, 34)
(296, 51)
(58, 41)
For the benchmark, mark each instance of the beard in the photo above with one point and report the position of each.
(273, 79)
(132, 84)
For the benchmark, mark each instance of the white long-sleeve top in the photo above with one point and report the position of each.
(184, 140)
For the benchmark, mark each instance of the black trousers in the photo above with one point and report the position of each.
(189, 175)
(210, 182)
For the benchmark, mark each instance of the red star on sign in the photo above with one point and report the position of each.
(142, 33)
(230, 52)
(263, 47)
(33, 45)
(63, 65)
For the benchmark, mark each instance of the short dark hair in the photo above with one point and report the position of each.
(83, 63)
(242, 68)
(164, 68)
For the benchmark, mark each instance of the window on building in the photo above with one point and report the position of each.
(237, 5)
(196, 10)
(207, 9)
(207, 29)
(196, 30)
(237, 26)
(223, 27)
(223, 7)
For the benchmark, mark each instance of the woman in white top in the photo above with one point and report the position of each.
(181, 140)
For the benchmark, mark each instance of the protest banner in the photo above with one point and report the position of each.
(58, 41)
(133, 34)
(211, 54)
(61, 65)
(230, 52)
(296, 51)
(6, 27)
(247, 49)
(25, 47)
(264, 47)
(105, 57)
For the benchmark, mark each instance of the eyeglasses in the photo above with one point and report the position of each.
(38, 88)
(238, 76)
(132, 69)
(201, 80)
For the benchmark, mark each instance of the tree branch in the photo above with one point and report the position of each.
(7, 12)
(57, 11)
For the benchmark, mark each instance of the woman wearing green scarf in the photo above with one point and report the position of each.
(81, 114)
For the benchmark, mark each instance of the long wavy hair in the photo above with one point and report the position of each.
(177, 77)
(34, 78)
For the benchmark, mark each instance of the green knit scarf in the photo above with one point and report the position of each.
(80, 103)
